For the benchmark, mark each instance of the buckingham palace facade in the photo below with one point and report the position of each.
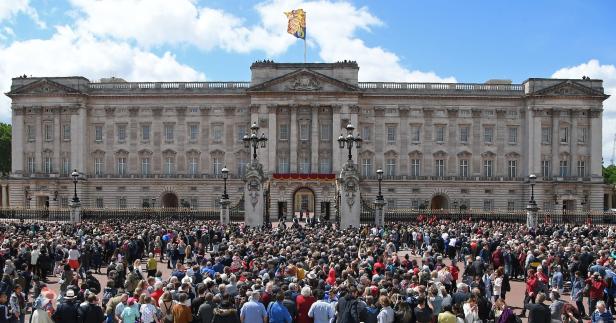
(440, 145)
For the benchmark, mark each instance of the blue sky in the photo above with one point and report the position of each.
(436, 41)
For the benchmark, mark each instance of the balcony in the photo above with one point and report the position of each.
(444, 88)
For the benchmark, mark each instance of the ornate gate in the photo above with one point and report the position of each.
(366, 212)
(236, 211)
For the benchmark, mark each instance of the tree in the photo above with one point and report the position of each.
(5, 148)
(609, 174)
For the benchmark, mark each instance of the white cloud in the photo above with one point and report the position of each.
(71, 52)
(332, 27)
(607, 73)
(11, 8)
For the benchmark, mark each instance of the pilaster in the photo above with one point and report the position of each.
(314, 139)
(293, 132)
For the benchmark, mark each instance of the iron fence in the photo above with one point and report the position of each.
(236, 212)
(160, 214)
(21, 214)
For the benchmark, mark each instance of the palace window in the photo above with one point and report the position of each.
(488, 168)
(122, 166)
(99, 203)
(304, 132)
(564, 135)
(582, 135)
(439, 135)
(121, 133)
(439, 167)
(193, 132)
(463, 167)
(283, 132)
(98, 166)
(546, 170)
(242, 167)
(415, 167)
(564, 168)
(513, 135)
(488, 205)
(488, 134)
(217, 133)
(66, 132)
(47, 163)
(169, 132)
(325, 166)
(216, 166)
(512, 168)
(122, 202)
(31, 165)
(390, 169)
(366, 167)
(169, 165)
(145, 166)
(326, 131)
(391, 135)
(581, 168)
(193, 165)
(415, 134)
(98, 133)
(366, 132)
(30, 132)
(304, 165)
(145, 132)
(464, 130)
(283, 165)
(48, 131)
(546, 135)
(66, 166)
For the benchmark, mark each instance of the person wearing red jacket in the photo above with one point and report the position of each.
(497, 258)
(597, 285)
(532, 287)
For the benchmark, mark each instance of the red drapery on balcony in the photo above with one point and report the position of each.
(315, 176)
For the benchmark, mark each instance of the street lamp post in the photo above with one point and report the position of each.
(75, 176)
(224, 201)
(531, 208)
(225, 176)
(380, 201)
(349, 141)
(254, 140)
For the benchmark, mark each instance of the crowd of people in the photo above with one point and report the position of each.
(434, 271)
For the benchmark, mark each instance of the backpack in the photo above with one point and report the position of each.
(168, 314)
(108, 293)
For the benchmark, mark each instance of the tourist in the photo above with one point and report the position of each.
(538, 312)
(67, 311)
(601, 314)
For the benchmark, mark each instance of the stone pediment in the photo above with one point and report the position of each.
(304, 80)
(43, 87)
(569, 88)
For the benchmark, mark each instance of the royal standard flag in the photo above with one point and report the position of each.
(297, 23)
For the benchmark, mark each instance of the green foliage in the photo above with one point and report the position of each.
(5, 148)
(609, 174)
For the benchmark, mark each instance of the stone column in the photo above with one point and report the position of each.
(17, 134)
(379, 219)
(254, 202)
(532, 215)
(75, 211)
(272, 138)
(350, 202)
(78, 141)
(596, 124)
(336, 131)
(224, 211)
(293, 140)
(314, 139)
(5, 195)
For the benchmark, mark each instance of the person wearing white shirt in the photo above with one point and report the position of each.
(321, 311)
(386, 315)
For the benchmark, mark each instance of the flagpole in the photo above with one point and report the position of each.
(304, 50)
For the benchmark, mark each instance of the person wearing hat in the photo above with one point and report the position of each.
(67, 310)
(597, 285)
